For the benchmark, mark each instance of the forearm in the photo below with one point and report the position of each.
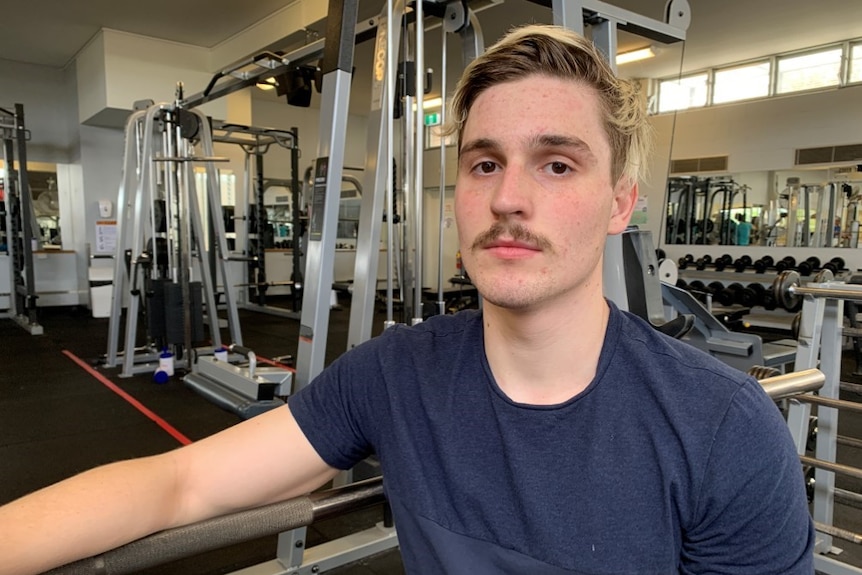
(87, 514)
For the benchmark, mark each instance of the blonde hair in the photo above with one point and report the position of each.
(557, 52)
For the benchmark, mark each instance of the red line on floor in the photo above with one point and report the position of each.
(274, 363)
(135, 403)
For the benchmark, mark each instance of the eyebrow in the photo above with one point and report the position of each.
(559, 141)
(483, 144)
(539, 141)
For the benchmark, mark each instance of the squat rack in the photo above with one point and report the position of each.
(255, 142)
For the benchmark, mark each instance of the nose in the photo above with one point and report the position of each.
(511, 195)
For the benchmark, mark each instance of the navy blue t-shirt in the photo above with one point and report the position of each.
(669, 462)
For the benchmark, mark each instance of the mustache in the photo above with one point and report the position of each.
(515, 231)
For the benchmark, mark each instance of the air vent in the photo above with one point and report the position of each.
(691, 165)
(829, 154)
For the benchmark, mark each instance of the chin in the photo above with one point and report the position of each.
(508, 294)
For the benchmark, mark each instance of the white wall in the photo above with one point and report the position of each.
(44, 92)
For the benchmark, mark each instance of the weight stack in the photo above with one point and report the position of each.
(166, 312)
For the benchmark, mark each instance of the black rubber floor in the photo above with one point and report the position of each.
(57, 420)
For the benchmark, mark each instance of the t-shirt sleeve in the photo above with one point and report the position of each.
(333, 411)
(752, 514)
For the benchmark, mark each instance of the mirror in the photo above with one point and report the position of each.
(46, 207)
(791, 208)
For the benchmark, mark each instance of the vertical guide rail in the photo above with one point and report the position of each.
(377, 186)
(441, 303)
(337, 69)
(295, 185)
(419, 173)
(217, 224)
(22, 228)
(143, 193)
(131, 165)
(27, 292)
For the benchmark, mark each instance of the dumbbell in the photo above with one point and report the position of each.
(720, 294)
(742, 295)
(786, 263)
(722, 262)
(763, 264)
(741, 263)
(758, 290)
(834, 265)
(702, 262)
(684, 261)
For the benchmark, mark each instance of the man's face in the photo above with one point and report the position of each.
(534, 199)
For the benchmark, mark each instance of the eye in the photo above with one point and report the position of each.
(486, 167)
(558, 168)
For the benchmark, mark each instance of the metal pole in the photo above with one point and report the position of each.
(441, 304)
(389, 104)
(419, 184)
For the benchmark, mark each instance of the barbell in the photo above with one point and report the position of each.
(789, 291)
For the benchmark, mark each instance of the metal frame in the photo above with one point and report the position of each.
(820, 345)
(137, 190)
(255, 142)
(20, 222)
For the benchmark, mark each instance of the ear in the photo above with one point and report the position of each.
(624, 200)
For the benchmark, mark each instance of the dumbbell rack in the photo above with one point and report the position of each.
(731, 287)
(821, 335)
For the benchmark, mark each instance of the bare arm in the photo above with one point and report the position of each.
(262, 460)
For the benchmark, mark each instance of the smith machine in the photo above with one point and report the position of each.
(18, 227)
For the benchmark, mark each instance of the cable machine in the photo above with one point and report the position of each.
(18, 230)
(154, 258)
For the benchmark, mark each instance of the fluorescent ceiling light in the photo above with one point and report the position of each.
(430, 103)
(636, 55)
(268, 84)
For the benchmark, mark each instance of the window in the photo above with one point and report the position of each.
(809, 71)
(855, 63)
(741, 83)
(682, 93)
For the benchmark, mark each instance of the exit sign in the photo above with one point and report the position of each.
(432, 119)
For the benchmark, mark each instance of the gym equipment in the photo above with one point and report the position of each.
(255, 142)
(247, 390)
(738, 349)
(789, 291)
(166, 233)
(21, 230)
(173, 544)
(821, 336)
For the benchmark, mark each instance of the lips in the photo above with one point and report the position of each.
(512, 245)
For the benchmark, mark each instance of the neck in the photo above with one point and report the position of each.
(546, 356)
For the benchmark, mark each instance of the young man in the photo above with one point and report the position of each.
(548, 433)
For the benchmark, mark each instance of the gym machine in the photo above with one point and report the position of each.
(18, 230)
(251, 238)
(379, 174)
(605, 20)
(158, 200)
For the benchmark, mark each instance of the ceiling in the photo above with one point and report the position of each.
(51, 32)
